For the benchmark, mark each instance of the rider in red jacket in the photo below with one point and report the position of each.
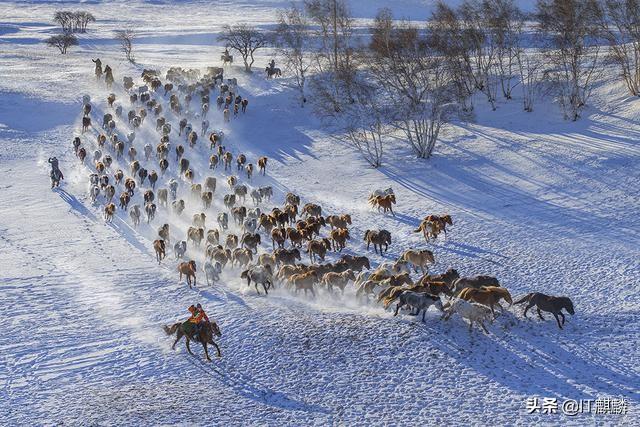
(198, 317)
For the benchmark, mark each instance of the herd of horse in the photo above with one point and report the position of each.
(263, 244)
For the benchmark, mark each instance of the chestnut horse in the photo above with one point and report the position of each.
(189, 270)
(487, 296)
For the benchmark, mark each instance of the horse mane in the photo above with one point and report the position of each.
(566, 301)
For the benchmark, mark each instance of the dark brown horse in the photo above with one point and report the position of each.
(205, 336)
(551, 304)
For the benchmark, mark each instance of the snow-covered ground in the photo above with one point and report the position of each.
(542, 204)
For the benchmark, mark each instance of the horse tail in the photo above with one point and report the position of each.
(523, 299)
(506, 295)
(171, 330)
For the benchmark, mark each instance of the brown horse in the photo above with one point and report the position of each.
(205, 336)
(189, 270)
(487, 296)
(432, 225)
(159, 247)
(384, 202)
(447, 277)
(390, 294)
(262, 164)
(551, 304)
(474, 282)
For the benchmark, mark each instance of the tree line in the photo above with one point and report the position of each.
(71, 22)
(414, 78)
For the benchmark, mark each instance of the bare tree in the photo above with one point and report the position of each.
(334, 61)
(570, 27)
(73, 21)
(294, 46)
(416, 79)
(65, 19)
(62, 41)
(481, 41)
(83, 19)
(366, 120)
(126, 37)
(531, 70)
(446, 36)
(506, 23)
(245, 40)
(621, 28)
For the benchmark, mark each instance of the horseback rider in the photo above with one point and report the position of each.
(55, 174)
(198, 317)
(272, 64)
(108, 75)
(98, 67)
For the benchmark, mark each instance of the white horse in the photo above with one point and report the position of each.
(470, 311)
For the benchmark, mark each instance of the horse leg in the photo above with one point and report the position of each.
(256, 286)
(265, 288)
(206, 350)
(540, 314)
(178, 337)
(561, 315)
(187, 342)
(527, 308)
(483, 327)
(216, 346)
(424, 313)
(400, 304)
(557, 320)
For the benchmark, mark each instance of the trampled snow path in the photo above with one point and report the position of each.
(542, 204)
(87, 311)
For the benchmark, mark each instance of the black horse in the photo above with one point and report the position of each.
(551, 304)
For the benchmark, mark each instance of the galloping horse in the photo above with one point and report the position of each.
(205, 336)
(548, 303)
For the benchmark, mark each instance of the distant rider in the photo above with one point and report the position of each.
(55, 174)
